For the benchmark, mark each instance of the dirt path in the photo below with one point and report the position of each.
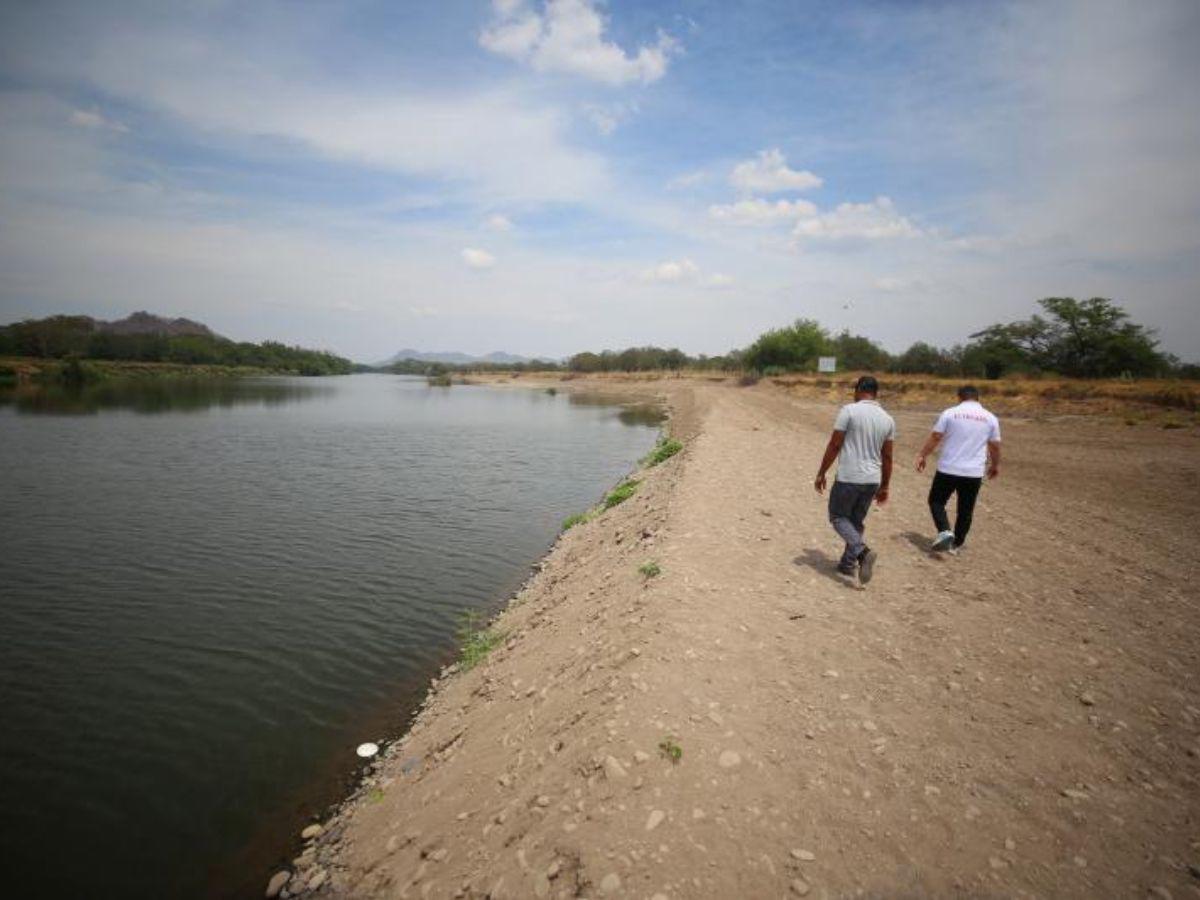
(1023, 720)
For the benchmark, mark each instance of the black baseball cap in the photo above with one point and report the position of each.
(866, 385)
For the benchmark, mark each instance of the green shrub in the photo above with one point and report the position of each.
(663, 450)
(477, 641)
(671, 749)
(650, 569)
(621, 493)
(578, 519)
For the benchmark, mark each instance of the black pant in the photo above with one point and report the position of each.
(939, 493)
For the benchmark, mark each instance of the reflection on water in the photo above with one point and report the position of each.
(631, 413)
(158, 395)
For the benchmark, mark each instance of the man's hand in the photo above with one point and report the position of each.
(819, 484)
(881, 495)
(993, 471)
(921, 463)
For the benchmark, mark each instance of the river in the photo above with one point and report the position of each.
(210, 593)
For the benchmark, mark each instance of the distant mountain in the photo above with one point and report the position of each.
(453, 358)
(148, 323)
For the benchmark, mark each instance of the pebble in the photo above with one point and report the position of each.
(800, 887)
(317, 880)
(1010, 844)
(656, 817)
(729, 759)
(1087, 699)
(311, 832)
(613, 768)
(543, 801)
(277, 882)
(611, 883)
(804, 855)
(641, 756)
(1160, 892)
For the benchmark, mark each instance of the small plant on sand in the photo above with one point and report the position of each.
(621, 493)
(477, 641)
(578, 519)
(663, 450)
(670, 749)
(650, 569)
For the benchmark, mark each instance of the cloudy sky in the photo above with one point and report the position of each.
(545, 176)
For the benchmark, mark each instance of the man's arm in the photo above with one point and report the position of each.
(935, 438)
(885, 455)
(993, 459)
(832, 449)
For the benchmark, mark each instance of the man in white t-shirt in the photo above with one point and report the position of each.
(969, 440)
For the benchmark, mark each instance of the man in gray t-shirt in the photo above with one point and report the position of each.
(862, 440)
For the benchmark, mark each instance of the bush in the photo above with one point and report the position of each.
(578, 519)
(477, 642)
(663, 450)
(621, 493)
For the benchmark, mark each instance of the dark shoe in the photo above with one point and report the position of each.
(846, 570)
(866, 565)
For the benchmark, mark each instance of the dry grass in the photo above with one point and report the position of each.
(1172, 403)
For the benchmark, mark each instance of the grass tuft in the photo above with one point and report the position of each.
(477, 641)
(650, 569)
(577, 519)
(663, 450)
(621, 493)
(670, 749)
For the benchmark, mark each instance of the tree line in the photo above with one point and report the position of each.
(1083, 339)
(77, 337)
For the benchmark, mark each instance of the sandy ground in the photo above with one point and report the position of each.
(1023, 720)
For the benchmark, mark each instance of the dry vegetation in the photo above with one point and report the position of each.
(1164, 402)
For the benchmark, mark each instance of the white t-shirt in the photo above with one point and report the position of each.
(966, 430)
(866, 426)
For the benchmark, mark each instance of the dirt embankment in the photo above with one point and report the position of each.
(1022, 720)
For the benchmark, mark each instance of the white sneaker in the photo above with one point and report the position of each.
(954, 551)
(944, 541)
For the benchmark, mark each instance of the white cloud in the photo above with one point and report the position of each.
(684, 271)
(478, 259)
(688, 180)
(92, 118)
(498, 222)
(568, 36)
(607, 116)
(756, 211)
(498, 143)
(768, 173)
(876, 220)
(898, 284)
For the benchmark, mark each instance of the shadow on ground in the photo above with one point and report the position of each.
(822, 562)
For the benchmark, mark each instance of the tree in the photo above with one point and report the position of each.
(1084, 339)
(793, 348)
(857, 353)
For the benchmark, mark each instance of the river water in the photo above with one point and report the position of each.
(211, 592)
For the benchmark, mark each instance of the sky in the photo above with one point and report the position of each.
(549, 176)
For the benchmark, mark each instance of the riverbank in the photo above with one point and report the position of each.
(738, 720)
(16, 370)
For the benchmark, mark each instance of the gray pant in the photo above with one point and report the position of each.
(848, 508)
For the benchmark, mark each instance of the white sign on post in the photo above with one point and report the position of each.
(826, 363)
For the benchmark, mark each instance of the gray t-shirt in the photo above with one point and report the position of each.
(866, 426)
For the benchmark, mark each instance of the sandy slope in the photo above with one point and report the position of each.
(1021, 721)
